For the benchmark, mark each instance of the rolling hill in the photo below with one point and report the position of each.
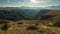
(45, 21)
(49, 23)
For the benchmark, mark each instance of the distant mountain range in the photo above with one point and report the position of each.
(53, 7)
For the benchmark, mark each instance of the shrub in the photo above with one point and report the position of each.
(32, 28)
(4, 27)
(3, 22)
(19, 23)
(57, 24)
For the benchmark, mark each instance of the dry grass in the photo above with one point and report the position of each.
(43, 26)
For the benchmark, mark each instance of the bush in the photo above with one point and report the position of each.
(4, 27)
(32, 28)
(19, 23)
(3, 22)
(57, 24)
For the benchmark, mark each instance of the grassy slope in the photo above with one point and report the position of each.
(44, 26)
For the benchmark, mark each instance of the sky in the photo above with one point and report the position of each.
(29, 3)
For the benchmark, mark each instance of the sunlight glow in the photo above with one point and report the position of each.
(33, 1)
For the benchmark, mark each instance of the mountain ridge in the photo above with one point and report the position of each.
(23, 14)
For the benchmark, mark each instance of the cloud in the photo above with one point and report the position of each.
(37, 3)
(19, 1)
